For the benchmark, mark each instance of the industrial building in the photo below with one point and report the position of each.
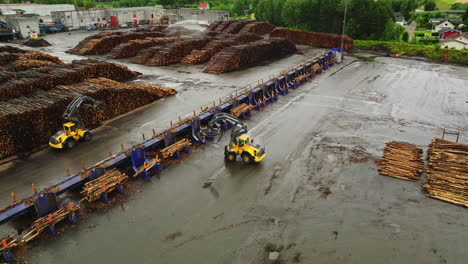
(25, 24)
(202, 16)
(41, 10)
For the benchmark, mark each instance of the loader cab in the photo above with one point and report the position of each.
(243, 140)
(69, 127)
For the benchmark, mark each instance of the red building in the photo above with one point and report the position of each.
(448, 33)
(204, 6)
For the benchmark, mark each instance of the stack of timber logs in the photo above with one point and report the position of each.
(174, 52)
(402, 160)
(42, 223)
(15, 59)
(28, 82)
(84, 44)
(260, 28)
(107, 182)
(11, 49)
(28, 122)
(316, 39)
(213, 26)
(131, 48)
(238, 56)
(217, 45)
(447, 175)
(145, 55)
(236, 26)
(223, 25)
(107, 43)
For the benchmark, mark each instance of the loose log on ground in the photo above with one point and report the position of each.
(447, 173)
(238, 56)
(316, 39)
(402, 160)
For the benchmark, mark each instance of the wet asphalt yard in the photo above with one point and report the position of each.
(316, 198)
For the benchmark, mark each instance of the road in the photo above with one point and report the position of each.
(316, 198)
(411, 28)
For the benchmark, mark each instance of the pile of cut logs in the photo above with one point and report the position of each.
(27, 122)
(447, 173)
(260, 28)
(42, 223)
(84, 43)
(402, 160)
(235, 57)
(131, 48)
(217, 45)
(107, 182)
(236, 26)
(20, 60)
(174, 52)
(27, 82)
(316, 39)
(223, 25)
(212, 26)
(107, 43)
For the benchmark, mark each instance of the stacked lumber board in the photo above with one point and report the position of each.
(316, 39)
(236, 26)
(402, 160)
(107, 43)
(200, 56)
(447, 173)
(133, 47)
(28, 122)
(174, 52)
(235, 57)
(107, 182)
(260, 28)
(29, 81)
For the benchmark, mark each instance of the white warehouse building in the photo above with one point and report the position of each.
(41, 10)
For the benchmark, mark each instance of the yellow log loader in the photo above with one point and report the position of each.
(74, 131)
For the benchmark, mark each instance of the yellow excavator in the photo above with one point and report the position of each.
(241, 144)
(74, 131)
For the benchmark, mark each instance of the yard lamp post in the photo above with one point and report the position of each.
(344, 23)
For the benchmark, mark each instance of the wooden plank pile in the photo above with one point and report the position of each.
(107, 43)
(402, 160)
(29, 81)
(447, 173)
(28, 122)
(200, 56)
(42, 223)
(133, 47)
(316, 39)
(260, 28)
(237, 26)
(107, 182)
(174, 52)
(235, 57)
(176, 147)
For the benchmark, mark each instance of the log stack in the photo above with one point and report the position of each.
(223, 25)
(236, 26)
(83, 45)
(315, 39)
(107, 43)
(27, 122)
(174, 52)
(235, 57)
(402, 161)
(260, 28)
(200, 56)
(213, 26)
(20, 60)
(447, 173)
(30, 81)
(133, 47)
(107, 182)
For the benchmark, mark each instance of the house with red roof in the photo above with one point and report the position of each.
(456, 41)
(204, 6)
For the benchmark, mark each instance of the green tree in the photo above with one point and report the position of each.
(389, 33)
(405, 36)
(430, 5)
(89, 4)
(238, 7)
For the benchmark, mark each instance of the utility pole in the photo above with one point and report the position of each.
(344, 24)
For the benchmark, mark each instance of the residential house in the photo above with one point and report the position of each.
(446, 34)
(456, 41)
(204, 6)
(400, 19)
(443, 26)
